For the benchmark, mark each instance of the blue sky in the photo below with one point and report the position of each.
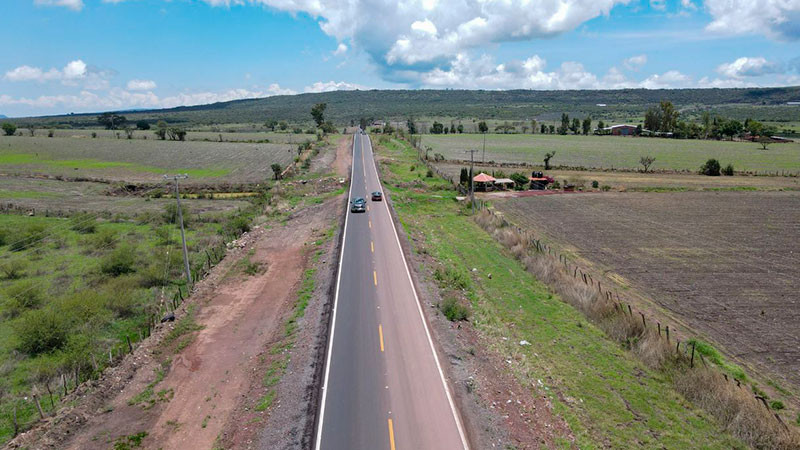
(90, 55)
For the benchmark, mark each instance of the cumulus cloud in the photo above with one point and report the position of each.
(748, 67)
(329, 86)
(141, 85)
(667, 80)
(341, 49)
(777, 19)
(635, 62)
(72, 71)
(75, 5)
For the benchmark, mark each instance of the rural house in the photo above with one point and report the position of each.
(621, 130)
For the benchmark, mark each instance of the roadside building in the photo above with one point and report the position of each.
(621, 130)
(483, 182)
(504, 183)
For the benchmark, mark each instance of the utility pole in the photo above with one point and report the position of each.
(484, 147)
(472, 178)
(180, 219)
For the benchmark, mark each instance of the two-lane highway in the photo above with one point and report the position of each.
(384, 387)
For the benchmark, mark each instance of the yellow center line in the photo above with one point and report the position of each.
(372, 246)
(380, 332)
(367, 207)
(375, 277)
(391, 435)
(370, 223)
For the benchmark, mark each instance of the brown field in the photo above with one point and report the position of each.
(726, 264)
(646, 181)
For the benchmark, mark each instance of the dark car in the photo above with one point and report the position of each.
(377, 196)
(358, 205)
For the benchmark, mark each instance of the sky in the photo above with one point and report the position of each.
(65, 56)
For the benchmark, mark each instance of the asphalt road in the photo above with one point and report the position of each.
(383, 385)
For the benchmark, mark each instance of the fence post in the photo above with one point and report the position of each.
(691, 363)
(667, 334)
(130, 347)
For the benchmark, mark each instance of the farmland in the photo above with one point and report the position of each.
(726, 264)
(609, 152)
(141, 160)
(229, 133)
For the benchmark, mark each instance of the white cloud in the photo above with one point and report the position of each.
(688, 4)
(748, 67)
(658, 4)
(667, 80)
(73, 71)
(635, 62)
(75, 5)
(777, 19)
(341, 49)
(329, 86)
(141, 85)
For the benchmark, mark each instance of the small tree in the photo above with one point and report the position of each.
(32, 131)
(271, 124)
(437, 128)
(412, 127)
(282, 125)
(9, 128)
(276, 170)
(728, 170)
(176, 133)
(646, 162)
(764, 141)
(463, 177)
(482, 127)
(710, 168)
(143, 125)
(520, 180)
(576, 125)
(543, 129)
(460, 128)
(318, 113)
(587, 126)
(129, 132)
(547, 157)
(161, 130)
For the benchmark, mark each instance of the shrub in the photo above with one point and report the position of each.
(41, 331)
(450, 278)
(605, 188)
(776, 405)
(710, 168)
(454, 310)
(13, 268)
(9, 128)
(83, 223)
(236, 226)
(520, 180)
(170, 214)
(595, 184)
(119, 296)
(22, 296)
(429, 174)
(27, 237)
(119, 262)
(94, 135)
(412, 168)
(728, 170)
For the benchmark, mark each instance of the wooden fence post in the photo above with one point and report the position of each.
(691, 363)
(35, 396)
(667, 334)
(130, 347)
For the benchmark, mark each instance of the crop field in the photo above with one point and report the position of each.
(617, 152)
(725, 263)
(227, 135)
(142, 160)
(636, 181)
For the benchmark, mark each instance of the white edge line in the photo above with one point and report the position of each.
(456, 417)
(335, 303)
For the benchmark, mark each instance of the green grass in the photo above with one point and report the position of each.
(714, 356)
(7, 194)
(607, 397)
(16, 159)
(617, 152)
(266, 401)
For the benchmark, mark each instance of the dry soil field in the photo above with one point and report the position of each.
(725, 263)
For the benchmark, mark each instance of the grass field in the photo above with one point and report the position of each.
(142, 160)
(725, 263)
(617, 152)
(228, 134)
(607, 397)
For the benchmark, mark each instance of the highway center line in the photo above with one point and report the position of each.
(370, 224)
(380, 332)
(372, 246)
(375, 277)
(391, 435)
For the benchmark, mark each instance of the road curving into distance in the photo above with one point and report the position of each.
(383, 386)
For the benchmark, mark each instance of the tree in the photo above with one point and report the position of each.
(437, 128)
(587, 126)
(161, 130)
(576, 125)
(276, 170)
(547, 157)
(482, 127)
(176, 133)
(732, 128)
(452, 128)
(600, 126)
(564, 124)
(520, 180)
(318, 113)
(111, 121)
(543, 129)
(533, 126)
(754, 127)
(646, 162)
(412, 127)
(652, 119)
(143, 125)
(552, 129)
(283, 125)
(129, 132)
(460, 128)
(764, 141)
(463, 177)
(710, 168)
(706, 121)
(669, 116)
(328, 128)
(9, 128)
(271, 124)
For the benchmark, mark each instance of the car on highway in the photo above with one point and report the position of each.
(358, 204)
(377, 196)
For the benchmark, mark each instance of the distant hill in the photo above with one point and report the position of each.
(344, 106)
(3, 117)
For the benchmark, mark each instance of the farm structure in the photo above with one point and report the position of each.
(621, 130)
(684, 251)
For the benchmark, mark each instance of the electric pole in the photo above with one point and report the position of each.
(484, 147)
(472, 178)
(183, 234)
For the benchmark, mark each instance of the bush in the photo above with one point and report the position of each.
(23, 296)
(429, 174)
(27, 237)
(13, 268)
(454, 310)
(595, 184)
(119, 262)
(520, 180)
(710, 168)
(450, 278)
(9, 128)
(776, 405)
(236, 226)
(605, 188)
(728, 170)
(41, 331)
(83, 223)
(170, 214)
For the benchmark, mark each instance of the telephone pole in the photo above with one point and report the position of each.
(472, 178)
(484, 147)
(180, 219)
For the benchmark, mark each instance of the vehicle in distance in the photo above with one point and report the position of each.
(377, 196)
(358, 204)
